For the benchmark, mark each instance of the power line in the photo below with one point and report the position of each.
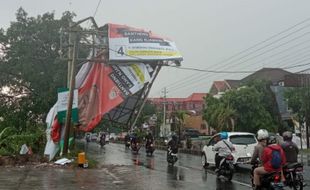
(235, 55)
(262, 53)
(99, 2)
(209, 71)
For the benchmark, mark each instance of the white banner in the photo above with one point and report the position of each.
(62, 103)
(131, 44)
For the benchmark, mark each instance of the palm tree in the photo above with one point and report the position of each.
(226, 117)
(180, 115)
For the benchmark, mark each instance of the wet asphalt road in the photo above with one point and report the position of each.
(154, 172)
(120, 169)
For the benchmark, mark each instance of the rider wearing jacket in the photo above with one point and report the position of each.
(262, 137)
(289, 147)
(267, 161)
(149, 138)
(223, 148)
(173, 144)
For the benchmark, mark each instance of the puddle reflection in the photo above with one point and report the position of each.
(224, 185)
(175, 173)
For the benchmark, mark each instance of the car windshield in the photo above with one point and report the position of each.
(242, 139)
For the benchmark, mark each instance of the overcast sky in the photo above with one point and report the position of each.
(207, 33)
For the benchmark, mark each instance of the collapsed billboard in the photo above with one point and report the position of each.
(107, 88)
(131, 44)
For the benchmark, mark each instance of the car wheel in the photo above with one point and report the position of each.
(204, 161)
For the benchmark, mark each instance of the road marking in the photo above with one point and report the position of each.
(240, 183)
(116, 179)
(183, 167)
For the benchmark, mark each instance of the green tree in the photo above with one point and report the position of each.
(298, 101)
(30, 69)
(239, 110)
(147, 111)
(30, 73)
(252, 114)
(268, 100)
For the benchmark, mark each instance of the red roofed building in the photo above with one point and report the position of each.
(193, 103)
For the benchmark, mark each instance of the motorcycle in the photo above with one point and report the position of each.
(226, 167)
(102, 142)
(87, 138)
(293, 175)
(135, 147)
(270, 181)
(127, 144)
(172, 156)
(149, 148)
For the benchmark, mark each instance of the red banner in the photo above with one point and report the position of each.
(97, 96)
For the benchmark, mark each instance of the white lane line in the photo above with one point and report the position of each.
(240, 183)
(183, 167)
(116, 179)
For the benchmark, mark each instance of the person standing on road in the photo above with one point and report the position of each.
(262, 137)
(223, 148)
(289, 147)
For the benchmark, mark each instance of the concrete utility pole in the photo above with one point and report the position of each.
(72, 37)
(307, 111)
(164, 112)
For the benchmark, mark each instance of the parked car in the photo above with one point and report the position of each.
(190, 133)
(93, 137)
(244, 144)
(113, 136)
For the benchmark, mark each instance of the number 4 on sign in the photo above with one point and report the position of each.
(121, 50)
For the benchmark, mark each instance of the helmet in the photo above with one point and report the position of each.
(224, 135)
(262, 134)
(287, 136)
(272, 140)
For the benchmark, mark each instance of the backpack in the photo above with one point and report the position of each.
(276, 159)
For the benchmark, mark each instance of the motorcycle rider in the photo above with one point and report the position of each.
(173, 143)
(149, 139)
(262, 137)
(267, 161)
(126, 139)
(223, 148)
(87, 137)
(102, 138)
(133, 139)
(289, 147)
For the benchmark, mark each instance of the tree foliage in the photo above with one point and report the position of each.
(298, 101)
(30, 69)
(244, 109)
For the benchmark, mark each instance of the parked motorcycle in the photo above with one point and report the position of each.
(172, 156)
(226, 167)
(293, 176)
(270, 181)
(149, 148)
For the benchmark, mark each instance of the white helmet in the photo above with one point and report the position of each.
(262, 134)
